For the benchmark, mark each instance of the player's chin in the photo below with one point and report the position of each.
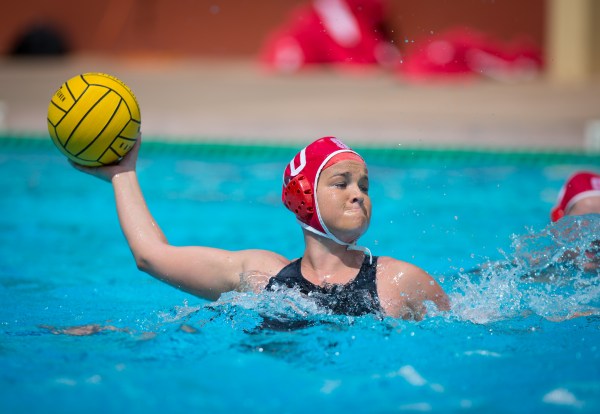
(354, 230)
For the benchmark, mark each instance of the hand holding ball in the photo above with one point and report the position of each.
(94, 119)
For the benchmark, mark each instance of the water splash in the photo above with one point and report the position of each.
(554, 273)
(178, 313)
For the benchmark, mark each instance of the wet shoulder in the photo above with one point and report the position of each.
(399, 278)
(259, 267)
(264, 261)
(390, 269)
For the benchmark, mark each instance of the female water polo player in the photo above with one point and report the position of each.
(580, 195)
(326, 185)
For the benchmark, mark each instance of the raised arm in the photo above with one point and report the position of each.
(204, 271)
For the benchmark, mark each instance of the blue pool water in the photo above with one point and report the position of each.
(512, 342)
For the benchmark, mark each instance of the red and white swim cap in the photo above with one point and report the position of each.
(580, 185)
(300, 180)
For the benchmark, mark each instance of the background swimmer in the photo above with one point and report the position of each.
(580, 195)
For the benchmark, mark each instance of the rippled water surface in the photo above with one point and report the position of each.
(82, 330)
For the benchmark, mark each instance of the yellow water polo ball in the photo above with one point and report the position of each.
(94, 119)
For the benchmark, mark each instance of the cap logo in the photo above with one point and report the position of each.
(339, 143)
(296, 170)
(595, 182)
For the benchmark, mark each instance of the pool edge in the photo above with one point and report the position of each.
(375, 151)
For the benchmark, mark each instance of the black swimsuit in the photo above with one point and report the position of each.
(359, 297)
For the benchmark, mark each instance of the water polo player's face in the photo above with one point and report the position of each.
(588, 205)
(343, 197)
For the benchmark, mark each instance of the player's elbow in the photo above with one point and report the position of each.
(146, 260)
(143, 263)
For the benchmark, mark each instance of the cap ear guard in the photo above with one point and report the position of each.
(298, 198)
(557, 214)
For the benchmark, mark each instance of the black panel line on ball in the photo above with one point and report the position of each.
(123, 129)
(124, 101)
(60, 109)
(86, 114)
(103, 129)
(120, 96)
(82, 93)
(55, 133)
(118, 135)
(69, 90)
(109, 148)
(128, 108)
(105, 151)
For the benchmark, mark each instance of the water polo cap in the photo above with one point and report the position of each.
(579, 186)
(300, 180)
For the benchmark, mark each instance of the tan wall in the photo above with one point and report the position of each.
(238, 27)
(595, 44)
(573, 34)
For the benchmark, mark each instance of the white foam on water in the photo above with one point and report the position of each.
(562, 396)
(483, 352)
(330, 385)
(410, 374)
(420, 407)
(178, 313)
(553, 273)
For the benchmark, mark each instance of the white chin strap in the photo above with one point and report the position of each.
(330, 236)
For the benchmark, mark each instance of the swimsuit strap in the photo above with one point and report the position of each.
(367, 275)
